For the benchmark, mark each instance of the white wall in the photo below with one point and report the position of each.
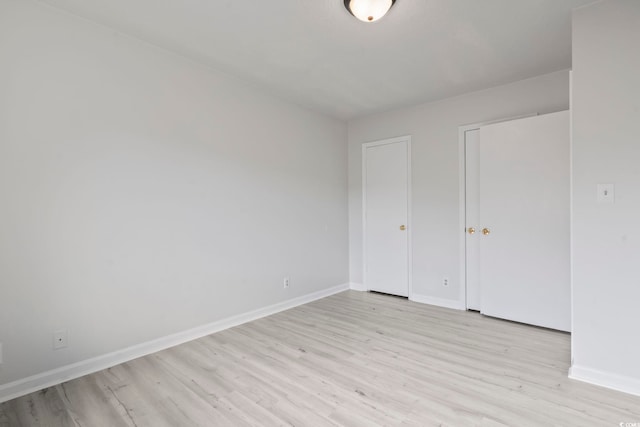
(434, 129)
(606, 238)
(142, 194)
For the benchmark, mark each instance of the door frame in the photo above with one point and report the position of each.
(365, 146)
(462, 181)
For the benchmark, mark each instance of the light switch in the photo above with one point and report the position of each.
(606, 193)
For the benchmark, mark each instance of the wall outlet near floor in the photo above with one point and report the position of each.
(286, 282)
(445, 281)
(60, 339)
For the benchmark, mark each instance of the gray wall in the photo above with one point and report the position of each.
(142, 194)
(606, 237)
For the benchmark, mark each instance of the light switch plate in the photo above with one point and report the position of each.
(606, 193)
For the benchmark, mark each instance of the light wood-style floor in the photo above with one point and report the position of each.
(353, 359)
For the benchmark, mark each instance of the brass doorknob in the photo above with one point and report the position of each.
(402, 227)
(486, 231)
(471, 230)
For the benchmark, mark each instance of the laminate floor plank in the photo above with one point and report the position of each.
(352, 359)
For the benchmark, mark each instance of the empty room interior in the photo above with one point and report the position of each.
(319, 213)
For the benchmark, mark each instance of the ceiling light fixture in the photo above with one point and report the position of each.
(368, 10)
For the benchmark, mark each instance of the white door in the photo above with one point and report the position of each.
(386, 212)
(472, 206)
(524, 215)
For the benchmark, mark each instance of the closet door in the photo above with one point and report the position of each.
(524, 204)
(386, 216)
(472, 216)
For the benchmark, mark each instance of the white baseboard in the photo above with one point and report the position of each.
(56, 376)
(357, 287)
(440, 302)
(605, 379)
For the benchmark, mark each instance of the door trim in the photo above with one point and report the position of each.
(462, 215)
(365, 145)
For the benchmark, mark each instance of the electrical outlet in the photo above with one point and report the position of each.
(60, 339)
(445, 281)
(286, 282)
(606, 193)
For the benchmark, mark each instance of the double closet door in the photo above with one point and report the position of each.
(517, 220)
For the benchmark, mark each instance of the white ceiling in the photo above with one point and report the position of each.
(314, 53)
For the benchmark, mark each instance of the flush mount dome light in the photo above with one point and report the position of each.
(368, 10)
